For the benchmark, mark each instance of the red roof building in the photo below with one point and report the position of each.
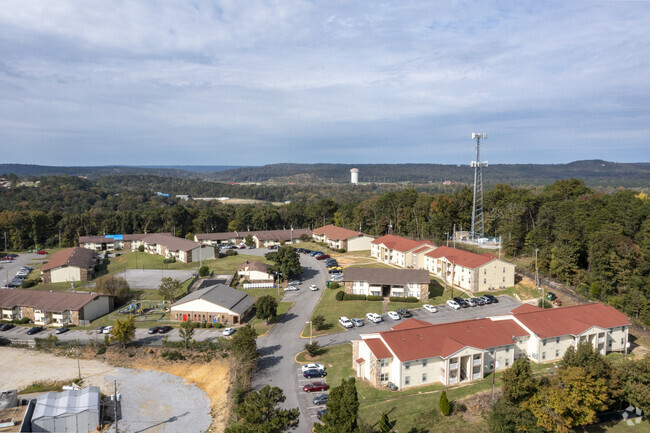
(399, 251)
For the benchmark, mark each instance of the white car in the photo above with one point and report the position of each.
(430, 308)
(374, 317)
(107, 329)
(228, 331)
(453, 304)
(345, 322)
(313, 287)
(393, 315)
(313, 366)
(290, 289)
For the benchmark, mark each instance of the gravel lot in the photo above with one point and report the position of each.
(152, 401)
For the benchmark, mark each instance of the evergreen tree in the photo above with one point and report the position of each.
(342, 409)
(260, 413)
(445, 407)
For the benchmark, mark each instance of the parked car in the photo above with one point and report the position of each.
(61, 330)
(107, 329)
(393, 315)
(391, 386)
(164, 329)
(34, 330)
(290, 289)
(479, 301)
(485, 299)
(404, 312)
(100, 330)
(294, 282)
(313, 287)
(345, 322)
(323, 257)
(315, 253)
(320, 399)
(357, 322)
(430, 308)
(153, 330)
(313, 372)
(6, 326)
(460, 301)
(228, 331)
(315, 387)
(374, 317)
(313, 366)
(453, 304)
(472, 302)
(495, 300)
(41, 252)
(320, 413)
(273, 247)
(335, 270)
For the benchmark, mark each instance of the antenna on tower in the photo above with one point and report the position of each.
(478, 222)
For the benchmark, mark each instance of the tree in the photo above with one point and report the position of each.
(169, 289)
(507, 417)
(318, 321)
(141, 248)
(186, 332)
(518, 382)
(266, 307)
(286, 261)
(385, 424)
(249, 241)
(112, 285)
(261, 413)
(445, 407)
(342, 409)
(244, 349)
(635, 382)
(204, 271)
(313, 348)
(123, 331)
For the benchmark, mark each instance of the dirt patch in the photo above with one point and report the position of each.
(474, 406)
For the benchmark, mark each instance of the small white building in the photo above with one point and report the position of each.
(70, 265)
(215, 304)
(255, 272)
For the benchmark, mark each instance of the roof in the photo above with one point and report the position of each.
(59, 404)
(113, 238)
(410, 323)
(337, 233)
(255, 266)
(425, 341)
(570, 320)
(422, 249)
(281, 235)
(171, 242)
(75, 256)
(460, 257)
(378, 348)
(44, 300)
(221, 295)
(525, 308)
(387, 276)
(223, 236)
(399, 243)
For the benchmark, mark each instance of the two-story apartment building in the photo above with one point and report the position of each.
(268, 238)
(416, 353)
(129, 242)
(70, 265)
(469, 271)
(183, 250)
(399, 251)
(387, 282)
(342, 238)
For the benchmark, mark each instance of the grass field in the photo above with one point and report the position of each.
(263, 327)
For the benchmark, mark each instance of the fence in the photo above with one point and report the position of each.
(259, 285)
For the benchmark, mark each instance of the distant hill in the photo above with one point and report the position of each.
(190, 171)
(593, 172)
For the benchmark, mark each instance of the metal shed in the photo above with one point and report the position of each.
(67, 411)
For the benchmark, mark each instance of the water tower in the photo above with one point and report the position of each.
(354, 176)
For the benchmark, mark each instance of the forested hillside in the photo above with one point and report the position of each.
(596, 242)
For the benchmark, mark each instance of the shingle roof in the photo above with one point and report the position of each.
(255, 266)
(399, 243)
(172, 243)
(570, 320)
(222, 236)
(113, 238)
(460, 257)
(44, 300)
(525, 308)
(337, 233)
(222, 295)
(75, 256)
(379, 349)
(387, 276)
(426, 341)
(281, 235)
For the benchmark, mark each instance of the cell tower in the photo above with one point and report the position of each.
(478, 223)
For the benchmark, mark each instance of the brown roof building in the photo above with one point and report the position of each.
(69, 265)
(183, 250)
(415, 352)
(341, 238)
(388, 282)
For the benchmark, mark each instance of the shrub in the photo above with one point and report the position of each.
(24, 320)
(209, 325)
(543, 303)
(173, 355)
(313, 349)
(231, 253)
(217, 325)
(351, 297)
(403, 299)
(341, 250)
(141, 248)
(334, 285)
(318, 322)
(340, 295)
(204, 271)
(445, 407)
(374, 298)
(26, 284)
(172, 259)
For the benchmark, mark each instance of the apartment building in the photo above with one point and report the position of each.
(387, 282)
(341, 238)
(399, 251)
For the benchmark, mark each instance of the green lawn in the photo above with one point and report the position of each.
(263, 327)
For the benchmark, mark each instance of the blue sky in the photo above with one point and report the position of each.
(254, 82)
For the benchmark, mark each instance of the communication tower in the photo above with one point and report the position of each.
(478, 223)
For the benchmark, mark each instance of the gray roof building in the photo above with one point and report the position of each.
(216, 303)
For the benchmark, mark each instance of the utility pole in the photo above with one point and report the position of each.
(78, 365)
(115, 405)
(453, 268)
(59, 238)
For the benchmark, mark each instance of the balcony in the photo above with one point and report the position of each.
(477, 361)
(453, 366)
(476, 376)
(601, 340)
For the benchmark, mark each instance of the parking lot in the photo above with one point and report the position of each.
(8, 270)
(306, 399)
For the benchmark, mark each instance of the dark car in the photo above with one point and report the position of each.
(493, 299)
(323, 257)
(6, 326)
(316, 386)
(61, 330)
(164, 329)
(320, 413)
(320, 399)
(154, 330)
(479, 300)
(34, 330)
(404, 312)
(308, 374)
(463, 303)
(485, 299)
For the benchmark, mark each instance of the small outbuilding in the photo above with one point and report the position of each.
(255, 272)
(67, 411)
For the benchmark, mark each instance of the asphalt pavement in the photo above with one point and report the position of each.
(8, 270)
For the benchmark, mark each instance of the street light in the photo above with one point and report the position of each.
(310, 331)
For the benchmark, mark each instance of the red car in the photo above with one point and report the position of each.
(41, 252)
(315, 387)
(323, 257)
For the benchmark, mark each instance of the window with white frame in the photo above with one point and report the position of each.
(424, 377)
(424, 363)
(557, 353)
(557, 340)
(407, 380)
(383, 362)
(543, 355)
(407, 365)
(383, 377)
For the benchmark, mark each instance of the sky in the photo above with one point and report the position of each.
(247, 82)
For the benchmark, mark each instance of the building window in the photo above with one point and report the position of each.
(543, 342)
(557, 339)
(507, 362)
(484, 280)
(484, 271)
(543, 355)
(622, 341)
(383, 377)
(507, 349)
(407, 380)
(424, 363)
(407, 365)
(424, 377)
(504, 269)
(503, 279)
(557, 353)
(383, 363)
